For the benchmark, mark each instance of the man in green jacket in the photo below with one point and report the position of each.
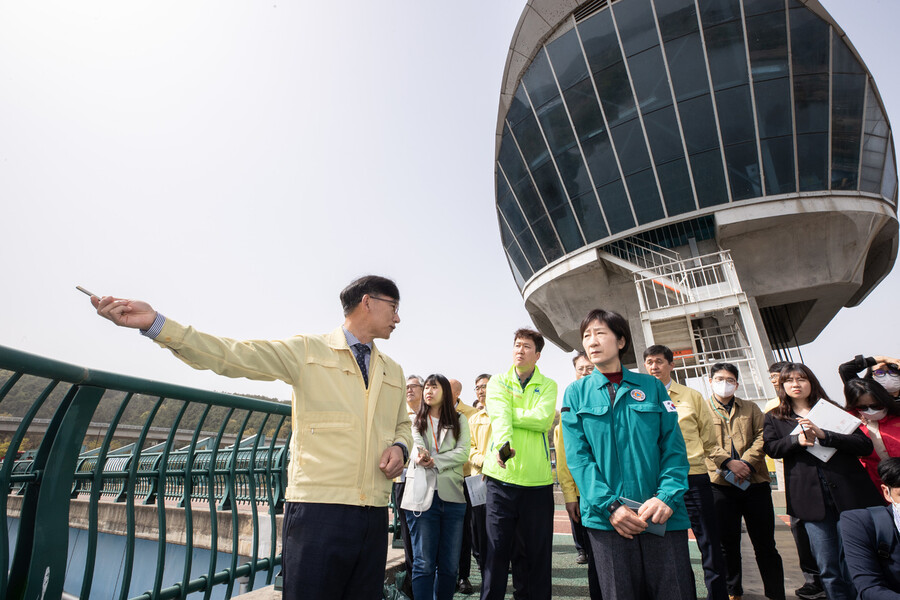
(520, 489)
(624, 446)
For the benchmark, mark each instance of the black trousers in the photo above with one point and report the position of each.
(479, 535)
(404, 529)
(333, 551)
(525, 513)
(754, 505)
(701, 511)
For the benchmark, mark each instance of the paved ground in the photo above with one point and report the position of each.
(570, 579)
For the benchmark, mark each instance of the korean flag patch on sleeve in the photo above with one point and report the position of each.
(670, 406)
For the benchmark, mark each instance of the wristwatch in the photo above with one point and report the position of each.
(613, 507)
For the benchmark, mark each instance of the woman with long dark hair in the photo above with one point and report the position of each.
(817, 492)
(441, 443)
(880, 414)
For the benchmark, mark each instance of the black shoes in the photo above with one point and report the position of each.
(581, 559)
(463, 586)
(810, 591)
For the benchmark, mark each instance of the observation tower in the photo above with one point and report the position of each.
(721, 172)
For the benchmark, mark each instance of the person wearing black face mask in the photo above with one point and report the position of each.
(880, 415)
(883, 369)
(740, 483)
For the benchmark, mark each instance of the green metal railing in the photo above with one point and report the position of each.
(246, 478)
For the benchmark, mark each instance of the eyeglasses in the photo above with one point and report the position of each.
(730, 380)
(481, 387)
(883, 372)
(412, 386)
(394, 304)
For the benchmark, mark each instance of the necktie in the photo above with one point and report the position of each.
(361, 351)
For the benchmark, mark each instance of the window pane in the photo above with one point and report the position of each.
(650, 82)
(811, 103)
(531, 143)
(699, 124)
(743, 171)
(581, 101)
(727, 57)
(773, 108)
(735, 115)
(546, 237)
(665, 138)
(889, 179)
(549, 186)
(528, 200)
(510, 159)
(539, 80)
(809, 42)
(588, 212)
(615, 206)
(687, 66)
(812, 161)
(615, 94)
(574, 172)
(755, 7)
(645, 196)
(530, 248)
(843, 60)
(778, 161)
(599, 40)
(556, 126)
(767, 42)
(631, 147)
(567, 60)
(507, 205)
(512, 250)
(565, 225)
(713, 12)
(600, 159)
(846, 129)
(676, 186)
(709, 178)
(874, 149)
(676, 18)
(519, 107)
(636, 25)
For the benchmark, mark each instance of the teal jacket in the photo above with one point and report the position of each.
(631, 448)
(523, 417)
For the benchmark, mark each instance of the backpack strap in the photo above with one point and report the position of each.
(884, 531)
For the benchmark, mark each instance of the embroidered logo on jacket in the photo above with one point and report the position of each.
(638, 395)
(670, 406)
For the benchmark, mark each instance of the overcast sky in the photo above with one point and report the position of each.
(237, 163)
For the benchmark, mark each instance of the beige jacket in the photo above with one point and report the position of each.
(480, 426)
(744, 428)
(695, 424)
(339, 428)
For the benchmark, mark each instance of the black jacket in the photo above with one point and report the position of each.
(874, 576)
(847, 480)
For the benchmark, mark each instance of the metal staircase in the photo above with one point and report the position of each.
(696, 307)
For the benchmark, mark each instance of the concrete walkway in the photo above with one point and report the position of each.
(570, 579)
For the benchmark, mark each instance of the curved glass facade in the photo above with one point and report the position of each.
(651, 110)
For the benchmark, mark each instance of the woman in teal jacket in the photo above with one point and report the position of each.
(623, 444)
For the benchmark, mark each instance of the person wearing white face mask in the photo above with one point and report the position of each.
(883, 369)
(740, 483)
(880, 415)
(871, 540)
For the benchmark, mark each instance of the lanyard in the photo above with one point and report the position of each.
(712, 404)
(434, 425)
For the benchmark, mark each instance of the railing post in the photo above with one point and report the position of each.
(39, 563)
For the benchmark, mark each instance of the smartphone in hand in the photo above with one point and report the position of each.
(505, 452)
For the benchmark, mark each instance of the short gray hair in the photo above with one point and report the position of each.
(418, 379)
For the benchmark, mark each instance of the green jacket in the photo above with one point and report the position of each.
(524, 418)
(632, 448)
